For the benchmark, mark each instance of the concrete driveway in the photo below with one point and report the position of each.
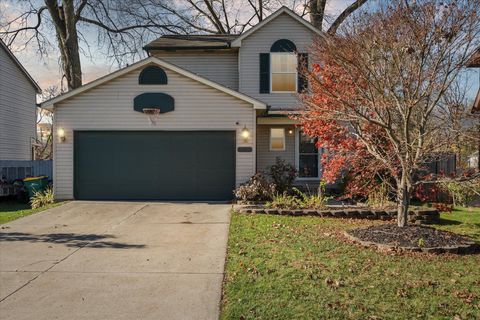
(114, 260)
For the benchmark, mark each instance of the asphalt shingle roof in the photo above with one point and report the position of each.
(203, 41)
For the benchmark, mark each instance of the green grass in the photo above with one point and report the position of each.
(301, 268)
(10, 210)
(463, 221)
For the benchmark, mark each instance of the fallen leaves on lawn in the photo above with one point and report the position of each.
(333, 283)
(466, 296)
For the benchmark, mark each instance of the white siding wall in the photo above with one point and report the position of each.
(283, 27)
(266, 157)
(110, 107)
(17, 111)
(218, 66)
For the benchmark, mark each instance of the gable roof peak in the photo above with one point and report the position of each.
(49, 104)
(283, 10)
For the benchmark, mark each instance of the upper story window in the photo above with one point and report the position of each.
(279, 68)
(283, 72)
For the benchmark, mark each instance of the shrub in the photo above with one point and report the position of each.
(283, 174)
(443, 207)
(298, 201)
(462, 192)
(257, 188)
(284, 201)
(379, 196)
(42, 198)
(311, 201)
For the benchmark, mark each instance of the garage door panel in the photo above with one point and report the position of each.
(164, 165)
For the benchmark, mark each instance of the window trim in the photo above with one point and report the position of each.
(271, 72)
(297, 159)
(270, 139)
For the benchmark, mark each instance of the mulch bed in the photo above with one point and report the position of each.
(412, 238)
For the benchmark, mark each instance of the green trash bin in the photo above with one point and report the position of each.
(35, 184)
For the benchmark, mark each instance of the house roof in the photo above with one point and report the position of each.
(49, 104)
(476, 104)
(192, 42)
(474, 60)
(22, 68)
(220, 41)
(238, 41)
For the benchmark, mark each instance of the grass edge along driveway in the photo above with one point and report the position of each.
(10, 210)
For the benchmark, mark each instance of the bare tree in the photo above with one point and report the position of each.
(384, 83)
(44, 149)
(220, 16)
(317, 14)
(122, 27)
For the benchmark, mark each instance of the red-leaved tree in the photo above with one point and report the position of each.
(377, 92)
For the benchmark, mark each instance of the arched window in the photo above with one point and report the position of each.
(152, 75)
(283, 66)
(283, 45)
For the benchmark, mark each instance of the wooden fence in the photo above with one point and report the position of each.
(18, 169)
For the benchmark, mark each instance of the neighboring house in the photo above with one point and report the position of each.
(474, 62)
(17, 108)
(472, 160)
(224, 102)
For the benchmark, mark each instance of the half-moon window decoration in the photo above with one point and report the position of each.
(283, 45)
(154, 100)
(152, 75)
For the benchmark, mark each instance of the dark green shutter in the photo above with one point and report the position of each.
(264, 73)
(302, 79)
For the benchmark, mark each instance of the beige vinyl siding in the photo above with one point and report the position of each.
(283, 27)
(110, 107)
(17, 111)
(218, 66)
(265, 157)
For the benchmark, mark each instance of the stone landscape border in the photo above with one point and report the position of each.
(469, 247)
(420, 216)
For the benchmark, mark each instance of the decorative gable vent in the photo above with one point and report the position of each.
(152, 75)
(283, 45)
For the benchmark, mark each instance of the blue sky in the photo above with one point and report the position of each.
(46, 70)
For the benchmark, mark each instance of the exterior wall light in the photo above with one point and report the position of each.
(61, 134)
(290, 131)
(245, 134)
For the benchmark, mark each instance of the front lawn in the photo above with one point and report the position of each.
(11, 210)
(462, 220)
(282, 267)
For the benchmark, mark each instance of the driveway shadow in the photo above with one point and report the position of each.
(70, 240)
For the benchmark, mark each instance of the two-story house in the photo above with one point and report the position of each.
(199, 116)
(18, 116)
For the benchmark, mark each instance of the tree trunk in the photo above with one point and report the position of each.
(317, 11)
(72, 66)
(65, 22)
(403, 202)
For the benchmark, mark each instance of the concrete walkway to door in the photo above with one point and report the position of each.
(114, 260)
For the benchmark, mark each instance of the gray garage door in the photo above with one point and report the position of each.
(154, 165)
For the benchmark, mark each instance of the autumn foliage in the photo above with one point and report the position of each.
(377, 93)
